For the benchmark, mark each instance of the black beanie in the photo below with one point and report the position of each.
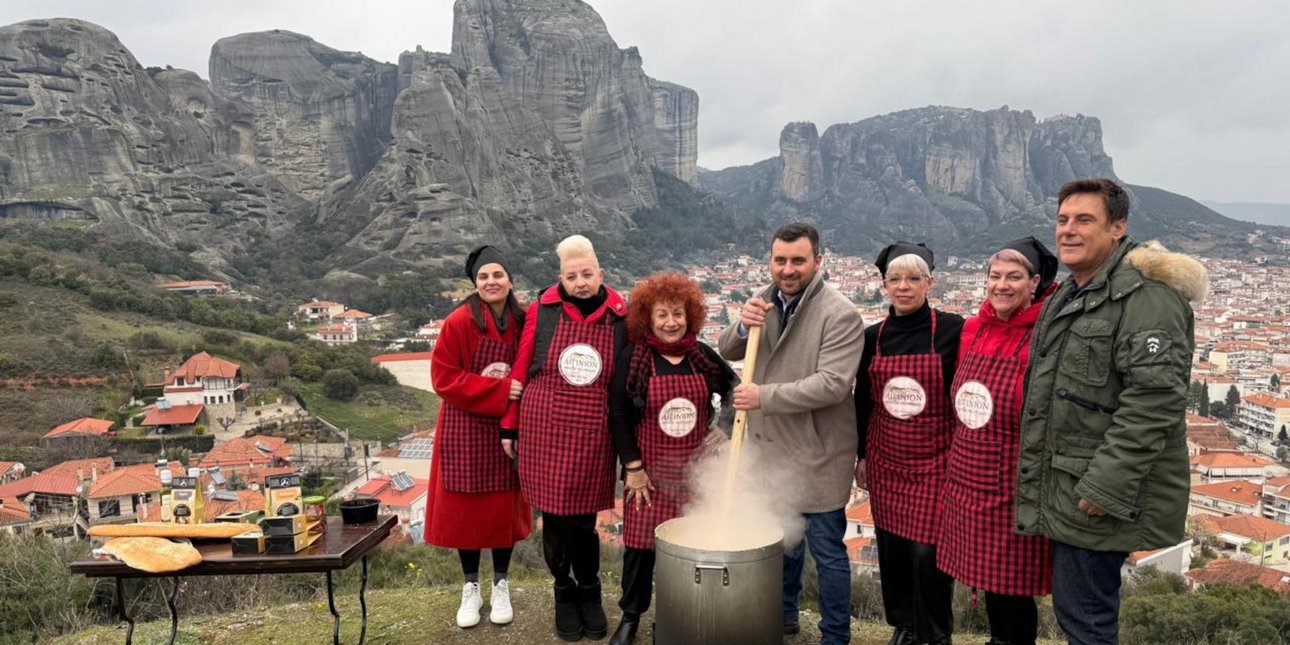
(1043, 260)
(898, 249)
(482, 256)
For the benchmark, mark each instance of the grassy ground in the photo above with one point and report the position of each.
(412, 615)
(381, 412)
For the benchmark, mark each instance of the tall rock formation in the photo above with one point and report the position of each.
(801, 171)
(321, 115)
(87, 133)
(961, 179)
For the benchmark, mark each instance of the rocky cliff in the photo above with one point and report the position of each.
(961, 179)
(535, 125)
(87, 133)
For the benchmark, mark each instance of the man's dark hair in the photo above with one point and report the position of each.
(1113, 196)
(794, 232)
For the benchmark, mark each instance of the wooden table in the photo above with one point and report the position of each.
(338, 548)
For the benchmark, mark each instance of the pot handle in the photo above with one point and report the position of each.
(725, 573)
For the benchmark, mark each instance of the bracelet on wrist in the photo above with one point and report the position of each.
(635, 469)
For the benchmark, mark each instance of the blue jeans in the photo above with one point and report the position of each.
(824, 533)
(1086, 594)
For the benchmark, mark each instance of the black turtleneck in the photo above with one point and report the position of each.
(911, 334)
(586, 306)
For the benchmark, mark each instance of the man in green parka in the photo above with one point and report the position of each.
(1103, 469)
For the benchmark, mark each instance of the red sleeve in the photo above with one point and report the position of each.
(450, 371)
(966, 336)
(520, 370)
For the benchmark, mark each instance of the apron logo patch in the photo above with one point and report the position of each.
(678, 417)
(974, 405)
(580, 364)
(903, 397)
(497, 370)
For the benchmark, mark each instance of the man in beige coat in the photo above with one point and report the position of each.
(801, 410)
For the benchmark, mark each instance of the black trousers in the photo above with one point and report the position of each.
(571, 548)
(915, 594)
(1013, 619)
(638, 580)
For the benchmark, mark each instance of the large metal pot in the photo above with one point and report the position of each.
(707, 595)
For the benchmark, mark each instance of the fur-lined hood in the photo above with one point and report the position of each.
(1182, 272)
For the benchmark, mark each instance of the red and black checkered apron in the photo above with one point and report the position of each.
(565, 453)
(905, 463)
(471, 457)
(666, 457)
(978, 546)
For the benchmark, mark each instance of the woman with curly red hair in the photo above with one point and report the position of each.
(660, 406)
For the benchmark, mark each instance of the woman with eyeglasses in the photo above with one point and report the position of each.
(977, 545)
(905, 421)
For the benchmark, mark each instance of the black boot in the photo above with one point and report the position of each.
(594, 623)
(903, 636)
(626, 631)
(568, 621)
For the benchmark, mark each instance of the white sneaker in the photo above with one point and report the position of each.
(471, 601)
(501, 613)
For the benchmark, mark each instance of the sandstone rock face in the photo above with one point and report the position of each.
(320, 115)
(801, 172)
(676, 126)
(87, 133)
(963, 180)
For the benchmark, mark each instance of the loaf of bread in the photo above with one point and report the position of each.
(166, 529)
(153, 554)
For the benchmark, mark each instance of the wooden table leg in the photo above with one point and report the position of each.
(174, 611)
(362, 602)
(335, 615)
(120, 608)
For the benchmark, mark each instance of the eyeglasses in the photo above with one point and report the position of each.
(895, 280)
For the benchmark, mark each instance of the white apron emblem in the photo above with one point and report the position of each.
(678, 417)
(903, 397)
(974, 405)
(496, 370)
(580, 364)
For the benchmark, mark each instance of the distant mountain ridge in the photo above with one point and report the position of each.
(964, 180)
(1258, 212)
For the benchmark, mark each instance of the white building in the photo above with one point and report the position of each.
(409, 368)
(1264, 413)
(337, 334)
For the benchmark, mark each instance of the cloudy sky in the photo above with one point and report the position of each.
(1187, 90)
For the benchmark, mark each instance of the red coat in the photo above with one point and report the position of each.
(976, 543)
(1001, 335)
(471, 520)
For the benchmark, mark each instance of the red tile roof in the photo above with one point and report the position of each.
(338, 328)
(1265, 400)
(202, 364)
(247, 500)
(861, 513)
(42, 483)
(243, 451)
(1240, 491)
(180, 415)
(83, 426)
(1226, 570)
(13, 511)
(82, 468)
(353, 313)
(6, 466)
(132, 480)
(406, 356)
(249, 475)
(380, 488)
(1251, 526)
(855, 547)
(1230, 460)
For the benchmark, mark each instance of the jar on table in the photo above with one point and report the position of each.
(316, 513)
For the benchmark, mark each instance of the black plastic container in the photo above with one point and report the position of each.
(359, 511)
